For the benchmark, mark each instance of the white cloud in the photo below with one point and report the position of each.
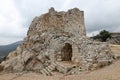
(93, 33)
(10, 22)
(66, 4)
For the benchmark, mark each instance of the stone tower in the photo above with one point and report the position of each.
(71, 21)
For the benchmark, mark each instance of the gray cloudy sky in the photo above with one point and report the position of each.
(16, 15)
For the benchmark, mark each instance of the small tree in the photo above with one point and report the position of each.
(102, 36)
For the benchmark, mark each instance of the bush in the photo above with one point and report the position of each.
(102, 36)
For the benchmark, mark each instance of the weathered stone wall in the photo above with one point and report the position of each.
(56, 37)
(71, 22)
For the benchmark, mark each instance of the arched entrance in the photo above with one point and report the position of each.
(66, 52)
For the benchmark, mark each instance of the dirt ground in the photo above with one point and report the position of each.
(115, 49)
(111, 72)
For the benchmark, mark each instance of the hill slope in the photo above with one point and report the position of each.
(5, 49)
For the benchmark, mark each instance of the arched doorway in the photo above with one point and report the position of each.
(66, 52)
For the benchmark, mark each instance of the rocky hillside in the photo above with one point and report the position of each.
(57, 42)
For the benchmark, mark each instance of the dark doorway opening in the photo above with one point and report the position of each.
(66, 52)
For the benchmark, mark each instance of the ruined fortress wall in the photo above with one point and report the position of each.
(75, 23)
(71, 22)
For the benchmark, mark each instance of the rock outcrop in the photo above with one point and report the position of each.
(56, 41)
(115, 38)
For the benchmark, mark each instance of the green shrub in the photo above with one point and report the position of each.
(102, 36)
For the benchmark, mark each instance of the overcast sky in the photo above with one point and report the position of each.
(16, 15)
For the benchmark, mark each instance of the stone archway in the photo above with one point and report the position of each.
(66, 52)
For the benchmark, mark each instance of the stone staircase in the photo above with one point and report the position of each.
(62, 67)
(48, 70)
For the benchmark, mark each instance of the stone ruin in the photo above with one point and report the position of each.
(115, 39)
(57, 42)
